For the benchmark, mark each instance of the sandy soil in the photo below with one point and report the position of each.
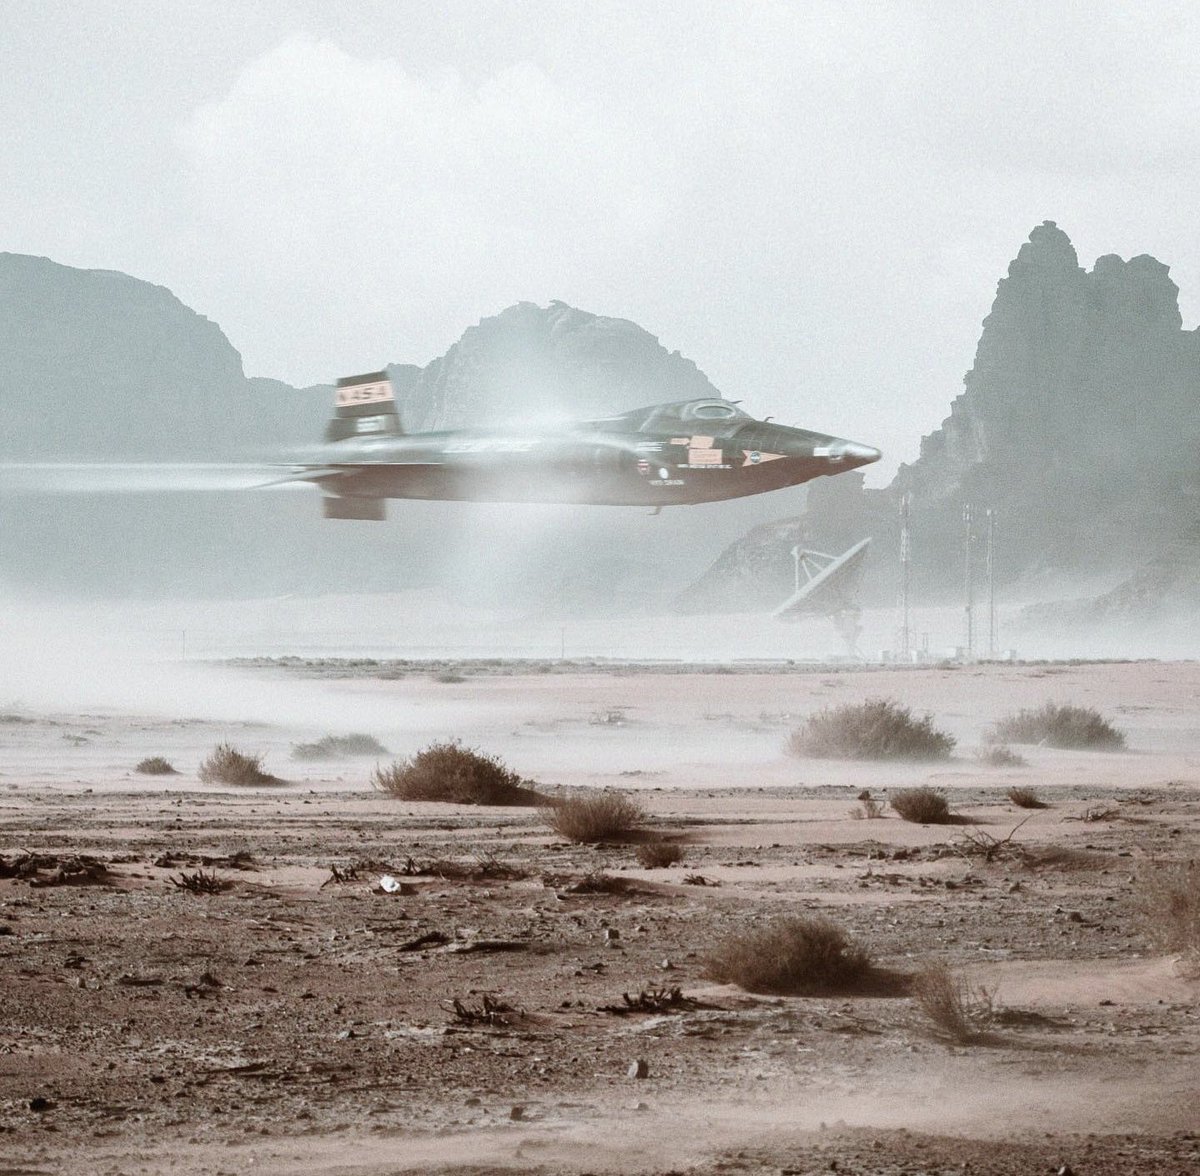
(294, 1022)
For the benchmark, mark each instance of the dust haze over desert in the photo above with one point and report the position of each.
(257, 903)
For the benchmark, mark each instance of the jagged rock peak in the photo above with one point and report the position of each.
(1048, 247)
(531, 360)
(1139, 290)
(1080, 413)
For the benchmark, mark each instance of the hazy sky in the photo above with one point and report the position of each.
(813, 201)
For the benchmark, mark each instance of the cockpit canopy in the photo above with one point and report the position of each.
(714, 416)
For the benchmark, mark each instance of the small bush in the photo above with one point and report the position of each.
(922, 806)
(657, 855)
(1170, 898)
(875, 729)
(1002, 756)
(155, 765)
(1025, 798)
(455, 774)
(792, 956)
(339, 747)
(601, 816)
(598, 882)
(1059, 726)
(868, 808)
(202, 883)
(956, 1008)
(227, 765)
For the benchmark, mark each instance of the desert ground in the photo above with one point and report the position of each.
(304, 1019)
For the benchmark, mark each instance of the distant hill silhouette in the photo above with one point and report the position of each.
(98, 365)
(530, 361)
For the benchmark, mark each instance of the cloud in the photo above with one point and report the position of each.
(319, 162)
(1070, 89)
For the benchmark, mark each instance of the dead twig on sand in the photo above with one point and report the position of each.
(490, 1011)
(651, 1000)
(201, 882)
(977, 843)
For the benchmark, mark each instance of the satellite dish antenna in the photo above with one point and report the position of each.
(827, 586)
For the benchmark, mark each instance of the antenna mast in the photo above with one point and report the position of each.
(991, 582)
(969, 577)
(905, 556)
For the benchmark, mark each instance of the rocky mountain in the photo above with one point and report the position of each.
(98, 365)
(1078, 426)
(1078, 423)
(1165, 588)
(531, 361)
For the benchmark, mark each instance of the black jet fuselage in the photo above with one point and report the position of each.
(664, 455)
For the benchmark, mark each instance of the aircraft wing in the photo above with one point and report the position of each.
(319, 474)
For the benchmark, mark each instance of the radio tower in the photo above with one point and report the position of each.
(991, 582)
(969, 577)
(905, 550)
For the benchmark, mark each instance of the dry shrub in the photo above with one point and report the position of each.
(155, 765)
(1026, 798)
(600, 816)
(455, 774)
(956, 1007)
(657, 855)
(339, 747)
(922, 806)
(227, 765)
(482, 866)
(1002, 756)
(1170, 898)
(868, 808)
(876, 729)
(202, 883)
(598, 882)
(795, 955)
(1063, 726)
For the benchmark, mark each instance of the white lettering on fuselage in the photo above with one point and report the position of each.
(372, 424)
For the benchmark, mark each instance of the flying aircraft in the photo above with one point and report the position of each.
(674, 454)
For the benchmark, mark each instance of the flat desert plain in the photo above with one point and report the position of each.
(512, 1001)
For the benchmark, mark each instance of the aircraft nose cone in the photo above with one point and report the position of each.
(860, 454)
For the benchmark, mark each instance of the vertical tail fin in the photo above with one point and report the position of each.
(363, 406)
